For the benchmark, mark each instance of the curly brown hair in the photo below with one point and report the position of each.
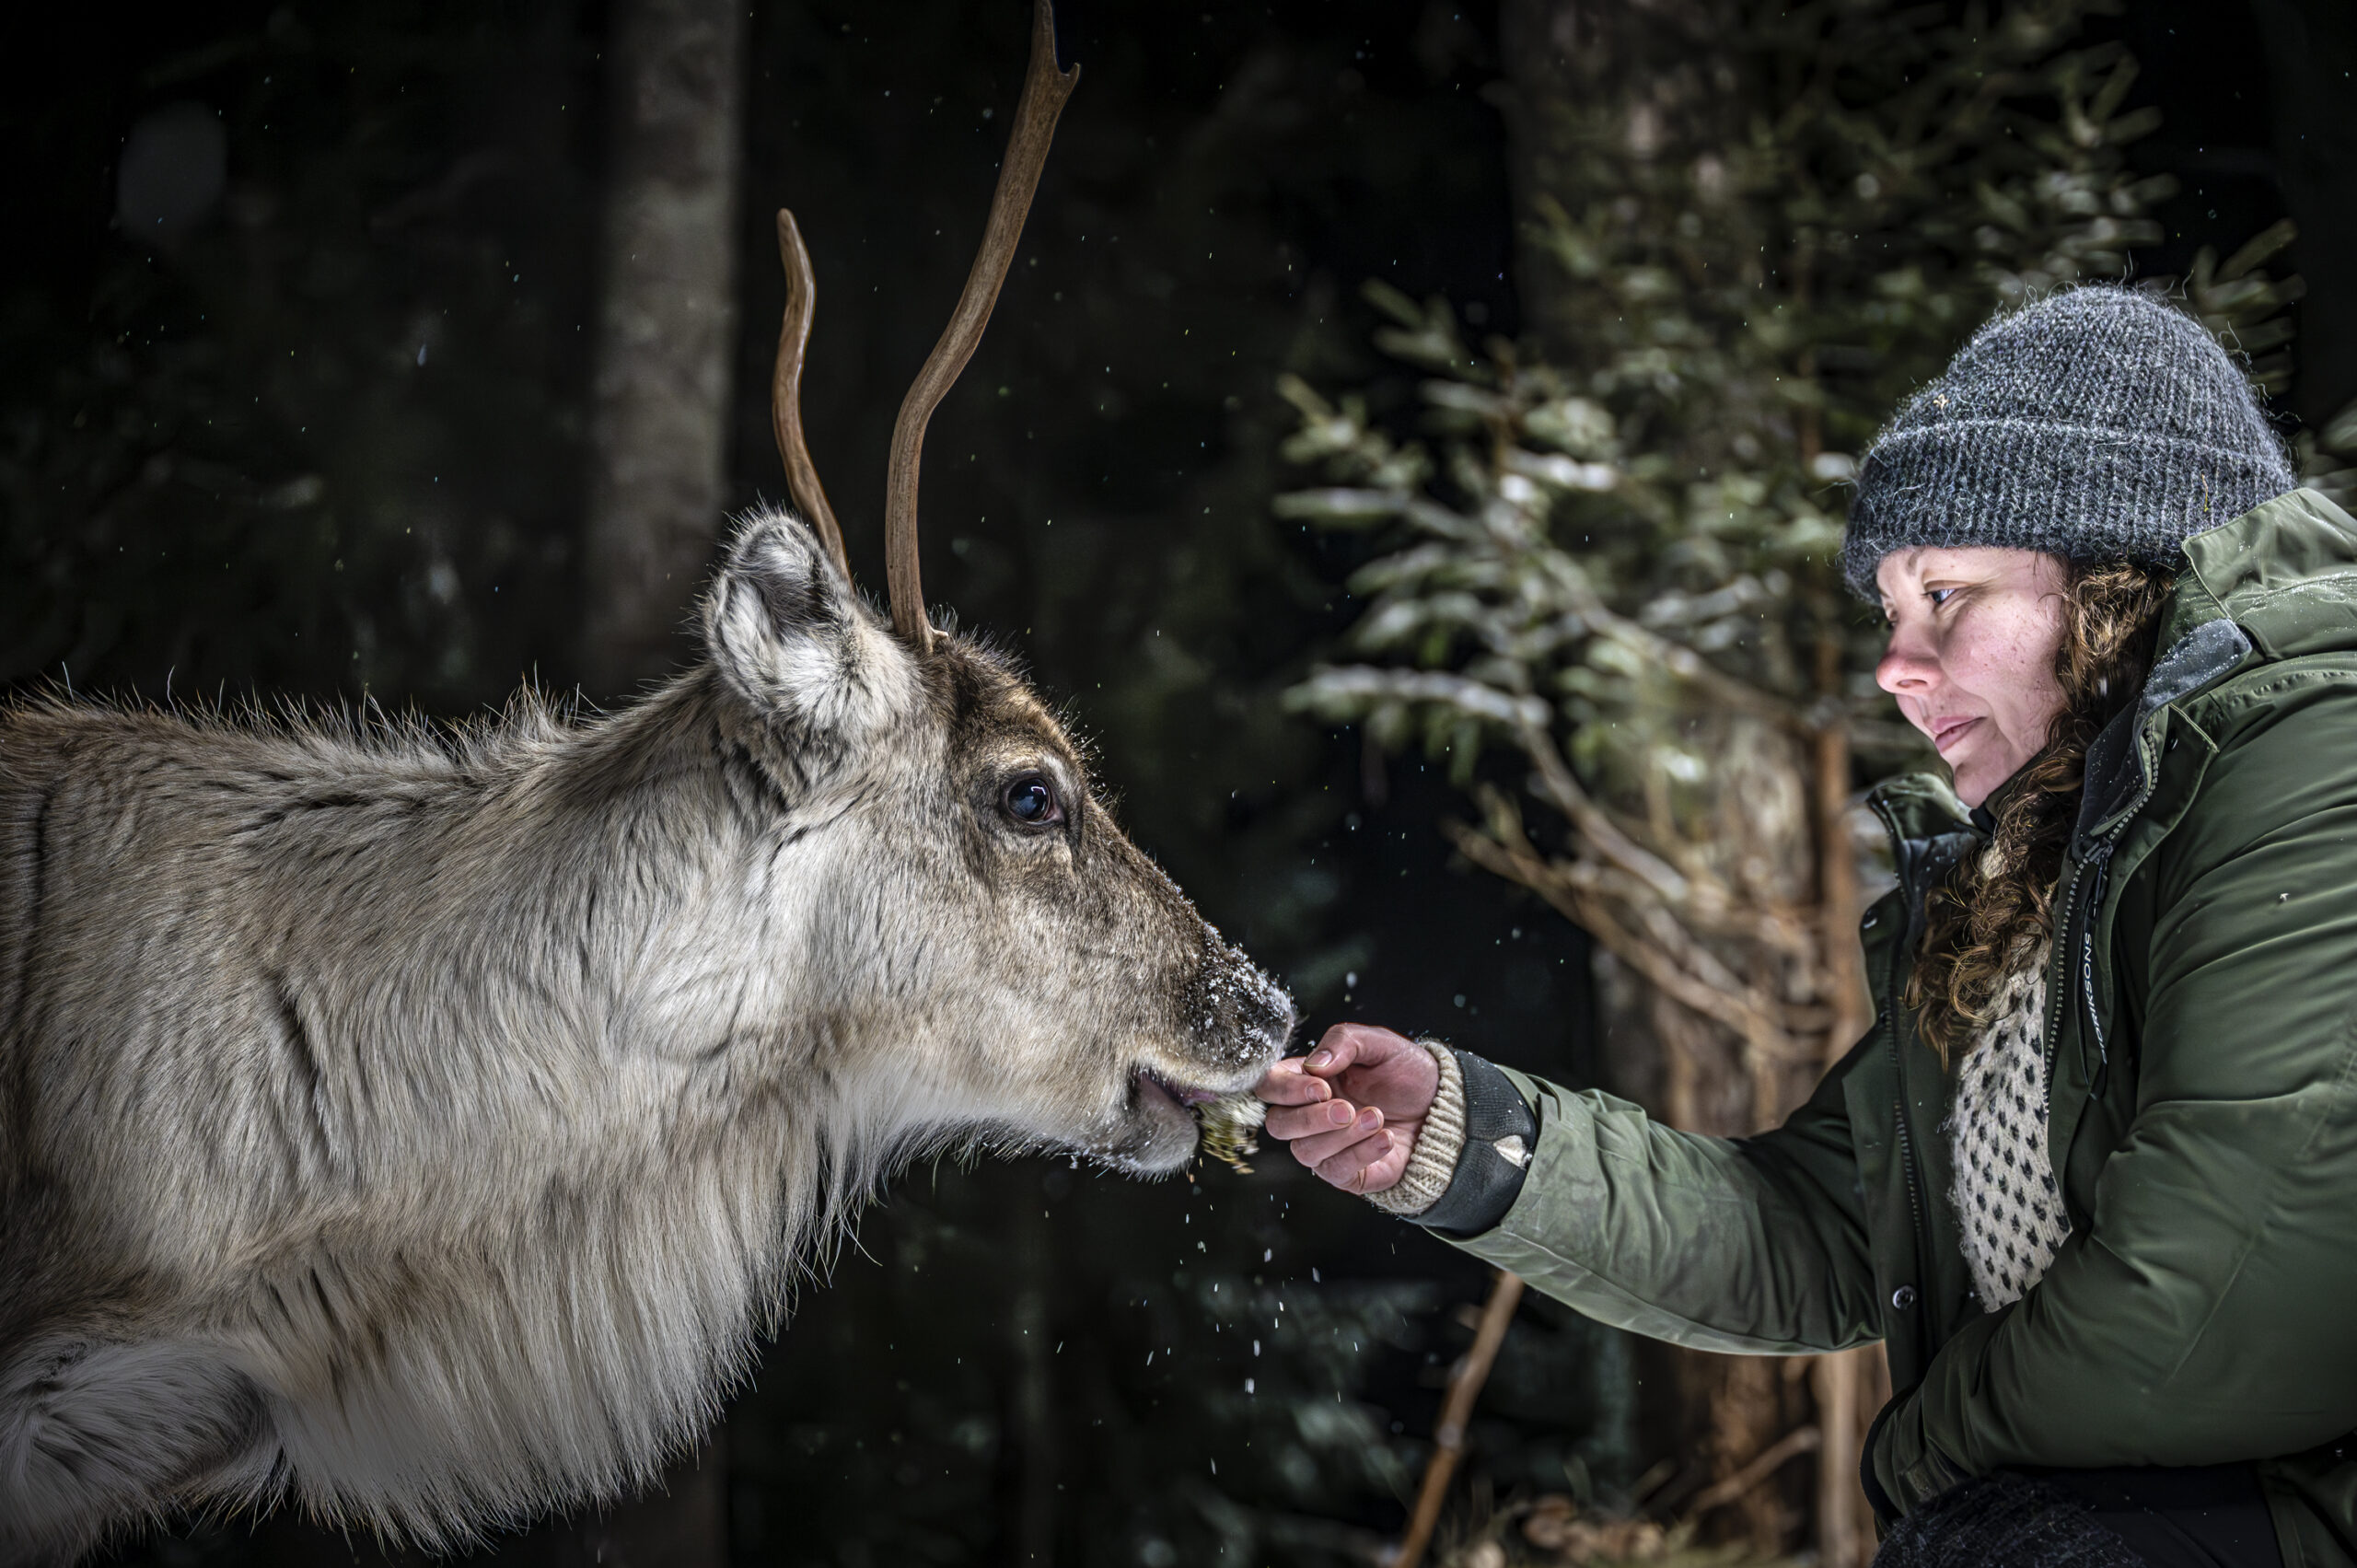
(1997, 905)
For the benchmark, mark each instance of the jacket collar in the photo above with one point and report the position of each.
(1930, 831)
(2118, 771)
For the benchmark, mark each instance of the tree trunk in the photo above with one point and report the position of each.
(1649, 86)
(667, 321)
(666, 325)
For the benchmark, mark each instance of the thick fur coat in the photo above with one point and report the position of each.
(419, 1126)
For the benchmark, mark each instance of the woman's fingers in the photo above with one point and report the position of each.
(1313, 1149)
(1304, 1121)
(1319, 1104)
(1335, 1050)
(1348, 1045)
(1368, 1166)
(1286, 1083)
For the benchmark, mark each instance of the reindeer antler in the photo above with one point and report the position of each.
(785, 390)
(1045, 88)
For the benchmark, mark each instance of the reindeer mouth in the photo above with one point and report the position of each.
(1186, 1096)
(1155, 1131)
(1220, 1123)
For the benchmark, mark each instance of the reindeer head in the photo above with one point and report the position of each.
(986, 948)
(1029, 969)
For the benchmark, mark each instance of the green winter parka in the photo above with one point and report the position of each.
(2201, 1043)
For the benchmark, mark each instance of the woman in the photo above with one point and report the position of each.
(2092, 1177)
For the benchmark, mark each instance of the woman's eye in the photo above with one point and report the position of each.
(1031, 800)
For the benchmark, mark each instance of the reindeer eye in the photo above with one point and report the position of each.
(1031, 800)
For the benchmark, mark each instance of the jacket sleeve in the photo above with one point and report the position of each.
(1749, 1245)
(2203, 1316)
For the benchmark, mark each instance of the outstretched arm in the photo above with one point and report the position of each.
(1740, 1245)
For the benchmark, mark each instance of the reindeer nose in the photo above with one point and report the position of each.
(1271, 1013)
(1264, 1013)
(1238, 1014)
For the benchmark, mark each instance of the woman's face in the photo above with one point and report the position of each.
(1973, 635)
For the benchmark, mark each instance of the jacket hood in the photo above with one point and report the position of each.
(2285, 572)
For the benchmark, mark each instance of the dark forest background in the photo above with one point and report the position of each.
(296, 337)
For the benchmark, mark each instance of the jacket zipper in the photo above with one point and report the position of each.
(2085, 920)
(2058, 977)
(1898, 1111)
(2088, 954)
(1898, 1075)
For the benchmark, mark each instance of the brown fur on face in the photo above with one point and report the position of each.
(418, 1124)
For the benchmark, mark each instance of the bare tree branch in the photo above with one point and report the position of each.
(1594, 825)
(1664, 964)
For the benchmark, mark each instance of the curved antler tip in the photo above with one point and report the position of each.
(1043, 32)
(1045, 86)
(785, 390)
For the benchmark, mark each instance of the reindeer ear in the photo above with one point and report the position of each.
(791, 637)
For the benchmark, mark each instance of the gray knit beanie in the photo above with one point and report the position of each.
(2097, 425)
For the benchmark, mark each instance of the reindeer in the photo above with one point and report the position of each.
(417, 1125)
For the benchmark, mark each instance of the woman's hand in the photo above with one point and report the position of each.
(1352, 1108)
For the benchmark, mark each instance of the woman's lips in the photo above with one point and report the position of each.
(1944, 732)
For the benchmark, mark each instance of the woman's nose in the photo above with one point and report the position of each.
(1907, 667)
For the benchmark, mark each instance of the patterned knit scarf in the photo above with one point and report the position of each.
(2005, 1192)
